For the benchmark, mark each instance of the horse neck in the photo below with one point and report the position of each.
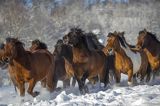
(120, 52)
(21, 54)
(154, 48)
(82, 48)
(67, 53)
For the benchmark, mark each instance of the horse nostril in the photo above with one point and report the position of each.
(109, 50)
(138, 47)
(6, 60)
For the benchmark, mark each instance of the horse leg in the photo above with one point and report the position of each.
(149, 70)
(80, 85)
(32, 84)
(117, 77)
(83, 79)
(66, 83)
(134, 79)
(130, 74)
(73, 81)
(21, 88)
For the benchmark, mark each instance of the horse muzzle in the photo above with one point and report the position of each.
(6, 59)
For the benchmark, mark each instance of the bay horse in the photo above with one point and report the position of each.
(62, 51)
(37, 45)
(145, 69)
(63, 69)
(126, 61)
(149, 43)
(86, 63)
(29, 67)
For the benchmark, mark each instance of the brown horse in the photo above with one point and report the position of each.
(145, 69)
(28, 67)
(37, 45)
(62, 50)
(126, 61)
(86, 63)
(148, 42)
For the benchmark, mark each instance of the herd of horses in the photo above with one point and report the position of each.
(80, 56)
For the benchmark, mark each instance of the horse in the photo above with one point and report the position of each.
(149, 43)
(36, 45)
(145, 69)
(28, 67)
(126, 61)
(86, 63)
(62, 50)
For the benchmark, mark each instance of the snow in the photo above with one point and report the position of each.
(123, 95)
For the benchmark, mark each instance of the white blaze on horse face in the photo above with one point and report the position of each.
(135, 58)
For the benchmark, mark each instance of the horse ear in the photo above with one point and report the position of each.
(109, 34)
(115, 32)
(145, 30)
(123, 32)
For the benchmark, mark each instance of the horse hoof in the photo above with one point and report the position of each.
(34, 94)
(22, 95)
(130, 84)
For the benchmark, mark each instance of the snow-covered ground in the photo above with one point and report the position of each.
(140, 95)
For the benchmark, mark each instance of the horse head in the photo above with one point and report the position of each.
(37, 44)
(12, 47)
(113, 43)
(74, 36)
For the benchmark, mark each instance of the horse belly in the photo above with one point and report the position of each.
(136, 60)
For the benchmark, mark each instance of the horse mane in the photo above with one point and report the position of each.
(122, 42)
(15, 41)
(92, 40)
(153, 36)
(77, 30)
(41, 44)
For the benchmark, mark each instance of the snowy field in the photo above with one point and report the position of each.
(140, 95)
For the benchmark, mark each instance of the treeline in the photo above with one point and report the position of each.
(48, 20)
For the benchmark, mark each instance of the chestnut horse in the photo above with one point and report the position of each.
(145, 69)
(149, 43)
(126, 61)
(86, 63)
(28, 67)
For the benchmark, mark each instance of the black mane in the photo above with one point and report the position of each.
(15, 41)
(122, 42)
(153, 36)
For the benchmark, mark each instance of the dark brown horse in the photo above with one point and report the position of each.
(86, 63)
(126, 61)
(148, 42)
(62, 51)
(28, 67)
(145, 69)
